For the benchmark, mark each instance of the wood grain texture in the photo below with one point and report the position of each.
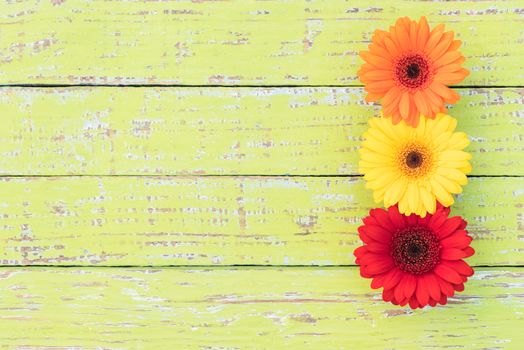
(223, 220)
(272, 131)
(237, 42)
(269, 308)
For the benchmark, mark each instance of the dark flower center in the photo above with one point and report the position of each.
(415, 249)
(413, 71)
(414, 159)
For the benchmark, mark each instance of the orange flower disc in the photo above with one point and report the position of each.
(409, 67)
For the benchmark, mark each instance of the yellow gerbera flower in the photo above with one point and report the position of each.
(415, 167)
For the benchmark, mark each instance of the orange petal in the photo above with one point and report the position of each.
(442, 46)
(396, 118)
(449, 68)
(434, 37)
(441, 90)
(402, 36)
(447, 58)
(413, 30)
(455, 44)
(404, 105)
(423, 33)
(420, 102)
(450, 78)
(392, 96)
(433, 101)
(374, 60)
(380, 51)
(377, 75)
(378, 36)
(379, 86)
(392, 48)
(371, 97)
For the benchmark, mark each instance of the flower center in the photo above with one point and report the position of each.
(413, 71)
(415, 249)
(415, 160)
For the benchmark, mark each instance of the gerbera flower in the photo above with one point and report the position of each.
(417, 261)
(415, 167)
(408, 67)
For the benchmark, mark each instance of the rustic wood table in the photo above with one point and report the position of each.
(183, 175)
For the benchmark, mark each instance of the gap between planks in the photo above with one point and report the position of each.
(298, 86)
(219, 267)
(222, 175)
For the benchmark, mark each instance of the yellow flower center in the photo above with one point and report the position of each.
(415, 160)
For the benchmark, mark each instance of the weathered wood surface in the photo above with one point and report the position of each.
(223, 220)
(273, 131)
(263, 308)
(237, 42)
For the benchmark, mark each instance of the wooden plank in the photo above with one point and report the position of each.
(291, 308)
(236, 42)
(243, 131)
(222, 220)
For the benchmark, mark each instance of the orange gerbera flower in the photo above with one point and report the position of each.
(409, 68)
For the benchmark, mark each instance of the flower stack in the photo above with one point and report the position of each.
(414, 161)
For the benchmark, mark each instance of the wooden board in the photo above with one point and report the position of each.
(222, 220)
(263, 308)
(236, 42)
(270, 131)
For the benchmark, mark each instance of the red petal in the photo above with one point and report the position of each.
(413, 303)
(422, 292)
(378, 247)
(364, 274)
(377, 282)
(403, 302)
(446, 287)
(461, 267)
(447, 273)
(410, 285)
(370, 220)
(399, 290)
(360, 251)
(364, 236)
(382, 218)
(469, 251)
(387, 294)
(433, 285)
(450, 226)
(393, 278)
(459, 287)
(443, 300)
(459, 239)
(437, 219)
(432, 302)
(424, 221)
(412, 220)
(379, 267)
(396, 218)
(377, 233)
(452, 254)
(370, 258)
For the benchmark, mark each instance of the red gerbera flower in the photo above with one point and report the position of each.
(417, 261)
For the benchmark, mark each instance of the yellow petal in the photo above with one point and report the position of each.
(395, 192)
(449, 186)
(444, 197)
(454, 155)
(429, 200)
(453, 175)
(413, 197)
